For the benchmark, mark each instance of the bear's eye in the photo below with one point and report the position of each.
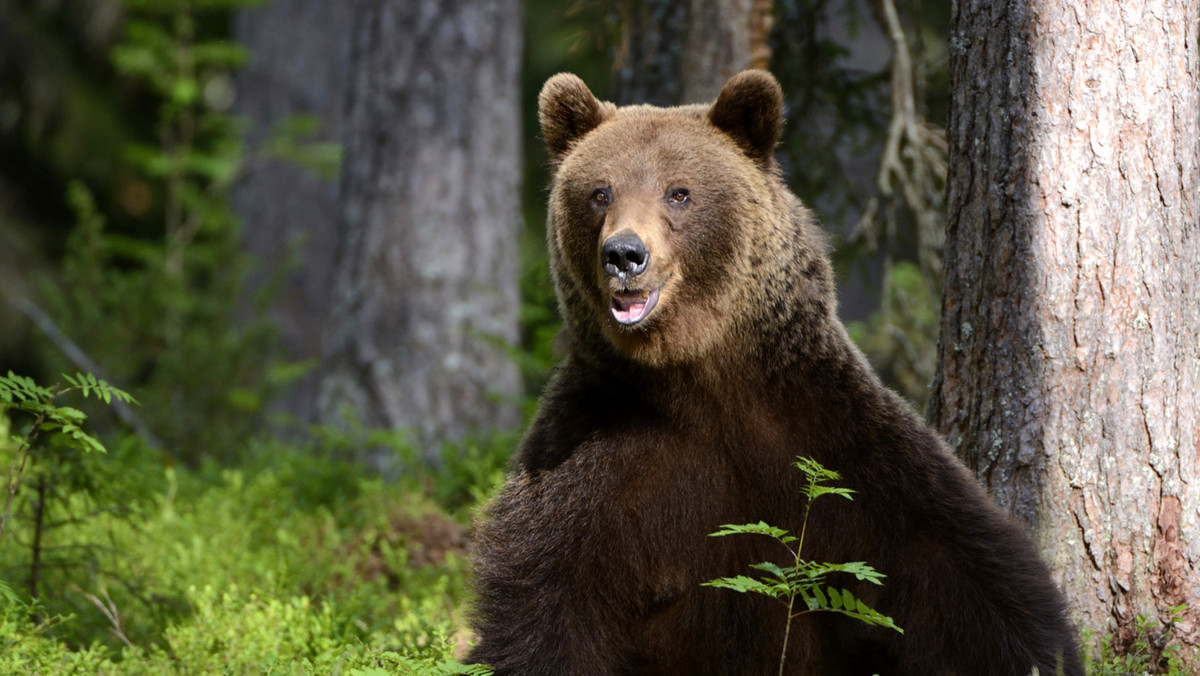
(679, 196)
(601, 197)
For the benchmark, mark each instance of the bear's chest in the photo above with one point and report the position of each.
(660, 494)
(661, 491)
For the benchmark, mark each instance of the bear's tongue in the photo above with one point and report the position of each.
(632, 307)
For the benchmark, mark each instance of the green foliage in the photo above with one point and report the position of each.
(900, 338)
(157, 310)
(22, 394)
(470, 472)
(56, 484)
(293, 564)
(296, 564)
(28, 646)
(291, 140)
(803, 580)
(1151, 650)
(249, 634)
(231, 632)
(467, 472)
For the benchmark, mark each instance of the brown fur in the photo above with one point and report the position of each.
(651, 436)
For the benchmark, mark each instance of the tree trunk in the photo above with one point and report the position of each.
(425, 297)
(722, 38)
(299, 65)
(1069, 373)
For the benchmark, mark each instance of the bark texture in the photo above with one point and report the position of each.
(1070, 347)
(300, 60)
(720, 39)
(425, 294)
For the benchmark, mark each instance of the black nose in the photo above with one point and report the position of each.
(624, 255)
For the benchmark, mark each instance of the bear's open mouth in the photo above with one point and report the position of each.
(631, 307)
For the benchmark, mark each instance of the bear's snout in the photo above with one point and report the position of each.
(624, 255)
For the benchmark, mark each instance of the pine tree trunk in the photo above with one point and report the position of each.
(299, 65)
(1069, 373)
(425, 295)
(721, 38)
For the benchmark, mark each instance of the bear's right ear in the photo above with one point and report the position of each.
(567, 110)
(750, 110)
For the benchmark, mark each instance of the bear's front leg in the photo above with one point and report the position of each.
(545, 603)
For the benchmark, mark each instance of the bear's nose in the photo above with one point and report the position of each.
(624, 255)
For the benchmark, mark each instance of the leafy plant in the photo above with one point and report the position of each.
(59, 489)
(805, 581)
(1150, 651)
(25, 395)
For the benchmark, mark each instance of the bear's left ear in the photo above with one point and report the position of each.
(567, 110)
(750, 110)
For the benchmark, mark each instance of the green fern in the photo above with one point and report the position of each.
(803, 587)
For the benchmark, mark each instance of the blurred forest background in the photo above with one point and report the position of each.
(179, 181)
(307, 238)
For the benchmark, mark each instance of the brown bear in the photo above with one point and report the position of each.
(703, 355)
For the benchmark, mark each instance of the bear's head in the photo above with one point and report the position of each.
(670, 232)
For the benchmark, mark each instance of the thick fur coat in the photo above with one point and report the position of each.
(704, 354)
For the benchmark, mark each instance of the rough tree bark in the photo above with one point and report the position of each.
(425, 293)
(299, 65)
(720, 39)
(1069, 373)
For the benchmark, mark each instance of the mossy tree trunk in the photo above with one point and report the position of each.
(425, 296)
(1069, 373)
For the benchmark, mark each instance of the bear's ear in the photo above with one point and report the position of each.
(567, 110)
(750, 110)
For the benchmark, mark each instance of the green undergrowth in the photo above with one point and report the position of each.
(1152, 649)
(295, 561)
(288, 564)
